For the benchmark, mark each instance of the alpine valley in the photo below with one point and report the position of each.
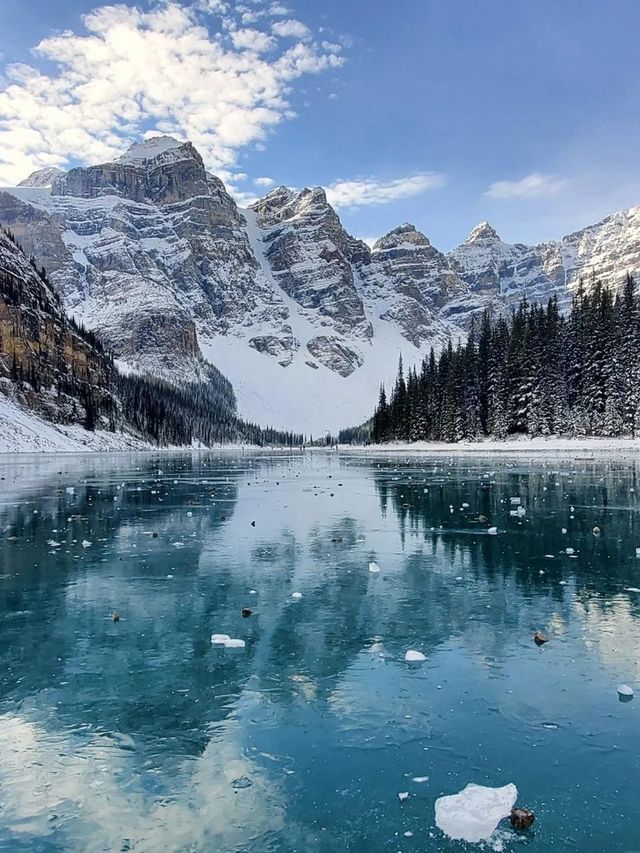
(153, 256)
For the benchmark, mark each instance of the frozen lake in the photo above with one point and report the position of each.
(141, 735)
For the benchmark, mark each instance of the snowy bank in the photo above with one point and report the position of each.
(585, 446)
(22, 431)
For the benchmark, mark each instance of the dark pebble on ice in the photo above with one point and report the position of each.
(154, 535)
(115, 617)
(246, 612)
(540, 639)
(522, 818)
(253, 524)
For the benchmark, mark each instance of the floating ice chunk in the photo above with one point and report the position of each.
(178, 544)
(638, 553)
(70, 490)
(631, 589)
(374, 568)
(569, 551)
(189, 515)
(85, 543)
(253, 592)
(625, 692)
(515, 501)
(234, 644)
(219, 639)
(474, 813)
(564, 530)
(53, 543)
(296, 595)
(420, 779)
(493, 531)
(403, 795)
(413, 656)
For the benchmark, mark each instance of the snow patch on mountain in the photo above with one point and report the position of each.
(149, 149)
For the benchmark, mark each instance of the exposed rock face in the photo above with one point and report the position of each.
(412, 281)
(46, 363)
(152, 253)
(311, 256)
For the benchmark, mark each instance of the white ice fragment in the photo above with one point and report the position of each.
(625, 690)
(85, 543)
(564, 530)
(219, 639)
(413, 656)
(638, 553)
(178, 544)
(53, 543)
(234, 644)
(189, 515)
(296, 595)
(374, 568)
(71, 490)
(569, 551)
(420, 779)
(474, 813)
(465, 506)
(515, 501)
(403, 795)
(253, 592)
(493, 531)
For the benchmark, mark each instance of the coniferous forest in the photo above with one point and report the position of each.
(537, 373)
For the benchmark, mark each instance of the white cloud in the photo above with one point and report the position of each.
(277, 9)
(264, 182)
(368, 191)
(134, 72)
(290, 28)
(535, 185)
(255, 40)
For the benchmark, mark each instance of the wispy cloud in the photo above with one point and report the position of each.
(264, 182)
(134, 72)
(535, 185)
(369, 191)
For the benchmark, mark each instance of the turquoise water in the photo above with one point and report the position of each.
(140, 735)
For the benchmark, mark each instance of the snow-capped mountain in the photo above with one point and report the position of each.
(152, 253)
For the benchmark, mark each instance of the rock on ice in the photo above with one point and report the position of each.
(474, 813)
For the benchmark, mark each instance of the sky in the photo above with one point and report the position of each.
(442, 113)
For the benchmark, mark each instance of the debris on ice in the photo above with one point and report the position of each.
(413, 656)
(474, 813)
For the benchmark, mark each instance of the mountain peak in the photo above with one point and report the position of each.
(483, 231)
(42, 178)
(405, 234)
(149, 149)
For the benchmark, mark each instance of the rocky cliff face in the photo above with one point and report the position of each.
(46, 363)
(153, 254)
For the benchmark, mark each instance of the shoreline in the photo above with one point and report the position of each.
(518, 446)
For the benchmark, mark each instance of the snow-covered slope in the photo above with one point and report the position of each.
(306, 321)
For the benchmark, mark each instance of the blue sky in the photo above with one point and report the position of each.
(443, 112)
